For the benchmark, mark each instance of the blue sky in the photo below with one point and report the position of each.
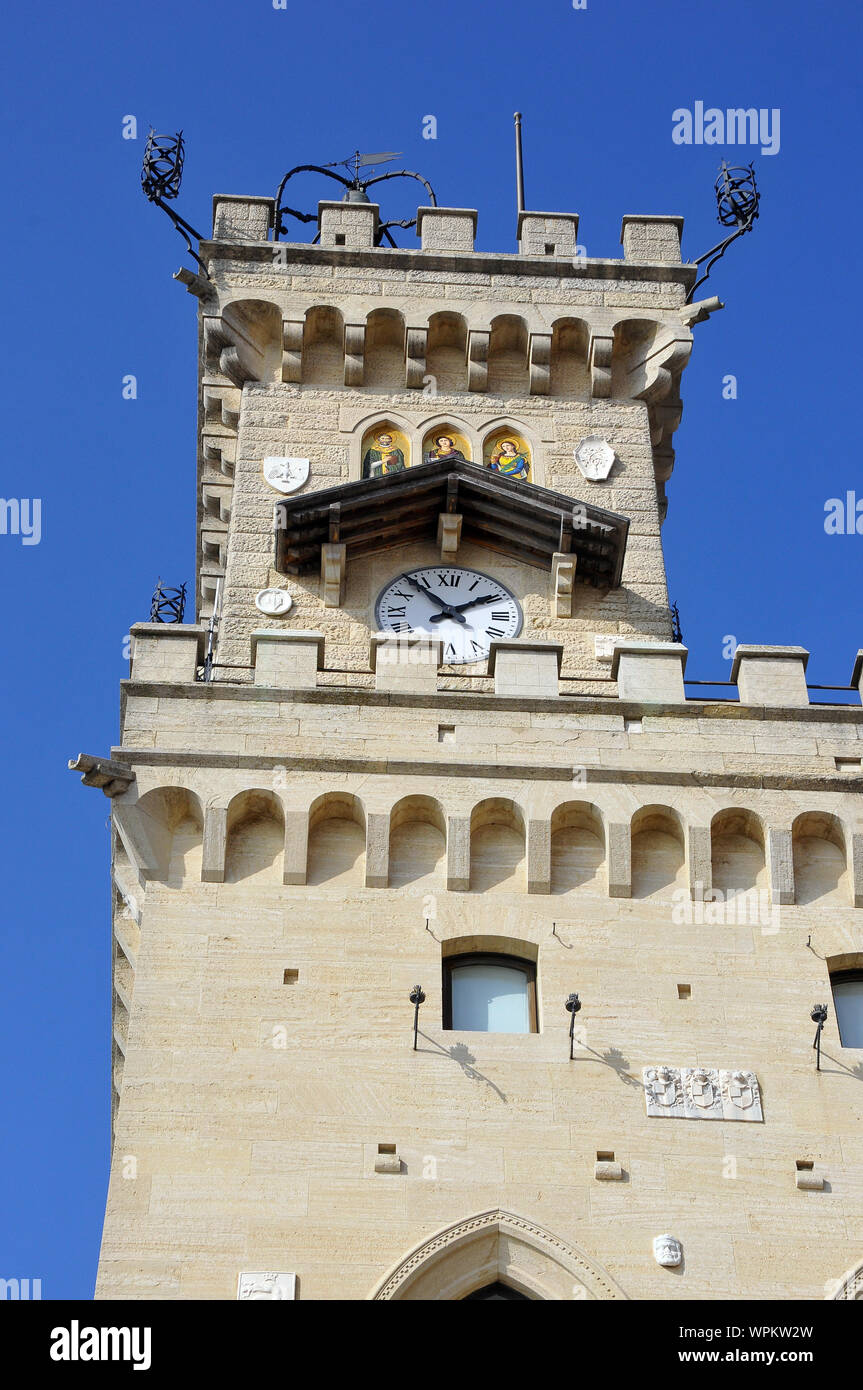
(89, 299)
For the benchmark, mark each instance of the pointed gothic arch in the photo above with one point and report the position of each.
(496, 1246)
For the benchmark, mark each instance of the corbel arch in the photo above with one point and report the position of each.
(496, 1246)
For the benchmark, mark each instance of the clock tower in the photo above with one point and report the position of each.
(416, 834)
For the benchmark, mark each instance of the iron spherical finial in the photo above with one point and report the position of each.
(737, 195)
(162, 170)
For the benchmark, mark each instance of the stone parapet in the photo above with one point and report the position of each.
(651, 239)
(351, 225)
(242, 218)
(771, 675)
(167, 652)
(547, 233)
(287, 660)
(405, 664)
(446, 229)
(529, 669)
(650, 671)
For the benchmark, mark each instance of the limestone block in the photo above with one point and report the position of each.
(167, 652)
(237, 218)
(699, 858)
(651, 672)
(215, 841)
(539, 856)
(446, 229)
(377, 850)
(525, 669)
(388, 1163)
(547, 233)
(458, 854)
(771, 675)
(351, 225)
(808, 1180)
(606, 1170)
(287, 660)
(655, 240)
(296, 847)
(619, 860)
(405, 664)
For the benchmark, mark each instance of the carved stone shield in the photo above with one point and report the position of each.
(594, 457)
(286, 474)
(274, 602)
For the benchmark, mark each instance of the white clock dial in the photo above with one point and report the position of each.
(465, 609)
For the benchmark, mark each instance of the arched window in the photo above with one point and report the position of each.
(847, 988)
(489, 993)
(497, 1291)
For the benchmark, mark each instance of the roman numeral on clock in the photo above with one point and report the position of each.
(501, 616)
(494, 631)
(396, 612)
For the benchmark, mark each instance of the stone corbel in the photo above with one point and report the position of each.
(699, 860)
(213, 545)
(563, 568)
(477, 359)
(540, 363)
(292, 349)
(599, 361)
(700, 311)
(416, 340)
(216, 498)
(221, 450)
(113, 778)
(219, 410)
(355, 346)
(449, 534)
(333, 571)
(652, 377)
(294, 868)
(148, 857)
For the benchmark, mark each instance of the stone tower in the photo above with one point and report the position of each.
(443, 740)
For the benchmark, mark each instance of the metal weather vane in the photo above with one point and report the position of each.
(737, 201)
(355, 189)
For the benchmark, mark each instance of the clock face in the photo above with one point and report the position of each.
(466, 609)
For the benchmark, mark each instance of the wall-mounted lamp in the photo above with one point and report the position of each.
(572, 1006)
(819, 1016)
(417, 997)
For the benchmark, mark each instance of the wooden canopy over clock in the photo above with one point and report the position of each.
(514, 518)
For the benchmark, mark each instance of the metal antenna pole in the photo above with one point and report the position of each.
(519, 167)
(211, 633)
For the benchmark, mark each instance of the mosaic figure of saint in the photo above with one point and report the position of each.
(383, 457)
(445, 448)
(507, 459)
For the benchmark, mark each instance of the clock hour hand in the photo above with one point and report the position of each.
(448, 610)
(460, 607)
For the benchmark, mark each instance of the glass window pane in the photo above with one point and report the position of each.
(848, 999)
(488, 998)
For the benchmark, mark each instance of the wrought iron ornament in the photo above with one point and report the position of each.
(161, 176)
(168, 605)
(355, 190)
(737, 200)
